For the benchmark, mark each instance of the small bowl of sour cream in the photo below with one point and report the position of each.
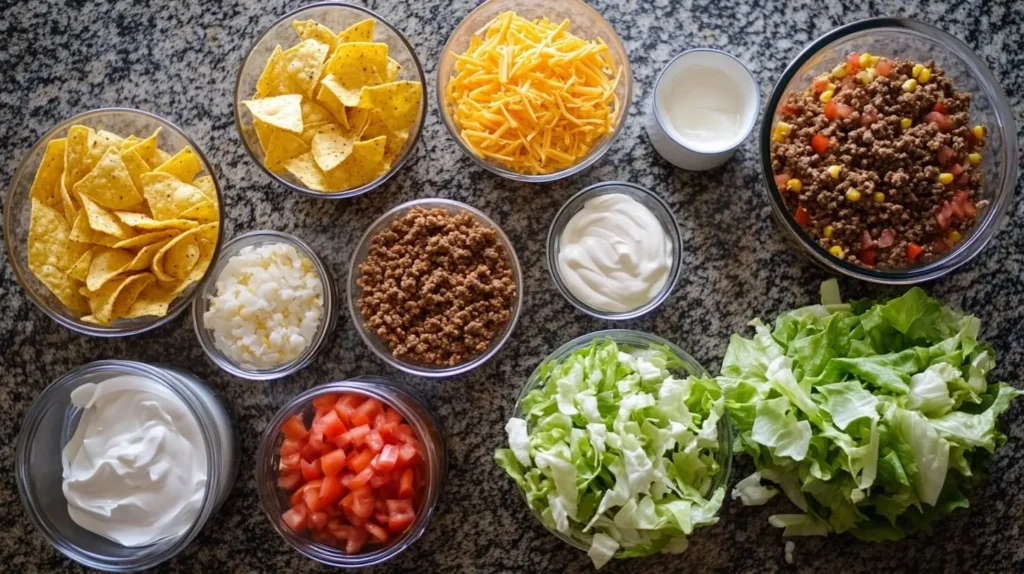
(705, 105)
(613, 251)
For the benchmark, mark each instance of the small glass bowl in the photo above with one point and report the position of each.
(416, 413)
(587, 23)
(337, 16)
(18, 207)
(51, 422)
(376, 344)
(209, 289)
(635, 340)
(901, 37)
(648, 199)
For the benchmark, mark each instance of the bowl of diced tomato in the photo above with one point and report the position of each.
(349, 472)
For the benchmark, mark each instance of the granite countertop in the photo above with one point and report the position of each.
(179, 60)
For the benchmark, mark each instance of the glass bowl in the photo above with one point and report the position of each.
(634, 340)
(376, 344)
(648, 199)
(209, 289)
(51, 422)
(587, 23)
(18, 207)
(337, 16)
(900, 37)
(418, 415)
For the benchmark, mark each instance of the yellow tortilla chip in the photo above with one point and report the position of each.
(102, 142)
(109, 184)
(397, 102)
(76, 154)
(184, 165)
(362, 166)
(358, 64)
(310, 130)
(375, 127)
(272, 81)
(106, 264)
(115, 298)
(157, 297)
(80, 270)
(204, 212)
(129, 142)
(314, 114)
(82, 233)
(70, 208)
(148, 150)
(330, 102)
(63, 287)
(48, 236)
(334, 92)
(331, 146)
(302, 64)
(168, 196)
(144, 258)
(359, 32)
(139, 221)
(135, 165)
(284, 146)
(175, 260)
(304, 168)
(103, 221)
(46, 185)
(146, 239)
(284, 112)
(393, 69)
(205, 185)
(312, 30)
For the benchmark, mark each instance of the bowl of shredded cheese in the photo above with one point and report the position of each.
(534, 90)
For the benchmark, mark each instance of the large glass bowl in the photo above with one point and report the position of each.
(633, 340)
(18, 207)
(587, 23)
(337, 16)
(378, 345)
(903, 38)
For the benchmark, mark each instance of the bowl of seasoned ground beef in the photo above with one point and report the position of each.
(889, 151)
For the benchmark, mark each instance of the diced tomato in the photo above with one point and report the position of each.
(354, 519)
(360, 461)
(820, 85)
(400, 515)
(363, 502)
(819, 143)
(868, 117)
(325, 537)
(353, 436)
(379, 420)
(964, 204)
(378, 533)
(844, 111)
(913, 251)
(331, 490)
(867, 256)
(956, 169)
(389, 432)
(942, 245)
(362, 479)
(319, 520)
(298, 495)
(883, 68)
(309, 452)
(365, 413)
(312, 470)
(972, 141)
(830, 110)
(380, 517)
(865, 240)
(294, 428)
(887, 238)
(333, 462)
(374, 441)
(789, 110)
(338, 528)
(289, 463)
(388, 457)
(289, 480)
(379, 480)
(958, 210)
(407, 434)
(853, 63)
(780, 182)
(962, 181)
(356, 540)
(406, 484)
(325, 402)
(346, 406)
(944, 215)
(392, 415)
(848, 84)
(289, 446)
(316, 438)
(408, 455)
(939, 107)
(331, 424)
(945, 155)
(939, 119)
(970, 210)
(311, 496)
(346, 478)
(296, 518)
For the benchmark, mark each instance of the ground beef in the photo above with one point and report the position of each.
(437, 286)
(914, 218)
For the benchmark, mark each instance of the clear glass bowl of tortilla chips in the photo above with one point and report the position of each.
(329, 100)
(111, 221)
(534, 90)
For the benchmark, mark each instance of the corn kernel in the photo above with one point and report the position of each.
(875, 60)
(865, 60)
(828, 231)
(978, 131)
(839, 71)
(945, 178)
(974, 158)
(924, 76)
(910, 86)
(783, 128)
(879, 197)
(836, 251)
(916, 71)
(830, 86)
(826, 96)
(852, 195)
(834, 171)
(955, 236)
(905, 123)
(794, 185)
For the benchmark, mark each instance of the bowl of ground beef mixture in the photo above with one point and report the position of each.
(889, 152)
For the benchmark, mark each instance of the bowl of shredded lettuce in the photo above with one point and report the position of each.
(620, 445)
(873, 417)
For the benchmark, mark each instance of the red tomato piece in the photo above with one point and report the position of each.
(831, 110)
(408, 455)
(319, 520)
(867, 256)
(956, 169)
(333, 462)
(400, 515)
(407, 434)
(353, 436)
(365, 413)
(913, 251)
(374, 441)
(294, 428)
(338, 528)
(325, 402)
(406, 484)
(958, 209)
(780, 182)
(311, 496)
(801, 216)
(380, 517)
(331, 425)
(389, 432)
(346, 478)
(944, 215)
(356, 540)
(820, 85)
(324, 537)
(296, 518)
(972, 141)
(940, 107)
(363, 502)
(883, 67)
(868, 117)
(945, 155)
(379, 420)
(819, 143)
(289, 446)
(316, 438)
(312, 470)
(289, 480)
(387, 459)
(844, 111)
(362, 479)
(310, 453)
(289, 463)
(379, 481)
(887, 238)
(865, 240)
(853, 63)
(941, 120)
(360, 461)
(789, 110)
(392, 415)
(331, 490)
(378, 533)
(298, 495)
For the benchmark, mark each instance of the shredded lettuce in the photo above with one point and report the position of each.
(615, 451)
(874, 418)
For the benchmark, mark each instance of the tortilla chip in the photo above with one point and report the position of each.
(79, 271)
(168, 196)
(311, 130)
(284, 112)
(330, 147)
(129, 142)
(102, 142)
(109, 184)
(103, 221)
(148, 150)
(393, 70)
(305, 169)
(359, 32)
(46, 185)
(146, 239)
(204, 212)
(330, 102)
(312, 30)
(362, 166)
(357, 64)
(205, 185)
(284, 146)
(106, 264)
(334, 93)
(177, 258)
(184, 165)
(302, 64)
(375, 127)
(144, 258)
(76, 154)
(82, 233)
(139, 221)
(70, 208)
(64, 288)
(135, 165)
(115, 298)
(397, 102)
(48, 236)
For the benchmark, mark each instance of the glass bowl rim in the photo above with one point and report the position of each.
(410, 145)
(595, 153)
(180, 303)
(675, 237)
(984, 230)
(360, 323)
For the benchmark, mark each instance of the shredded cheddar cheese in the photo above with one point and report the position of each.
(531, 96)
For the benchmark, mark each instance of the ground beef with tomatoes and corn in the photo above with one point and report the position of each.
(878, 163)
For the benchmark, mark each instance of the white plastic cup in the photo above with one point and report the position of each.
(664, 137)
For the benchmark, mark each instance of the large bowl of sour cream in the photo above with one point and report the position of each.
(141, 456)
(613, 251)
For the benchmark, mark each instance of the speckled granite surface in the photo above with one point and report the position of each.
(179, 59)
